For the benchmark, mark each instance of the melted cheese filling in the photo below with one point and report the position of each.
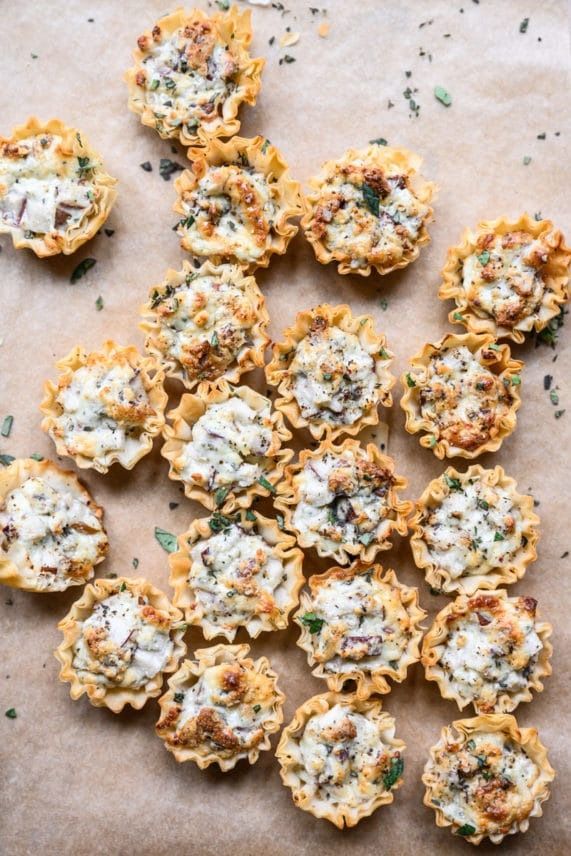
(50, 534)
(43, 190)
(503, 278)
(205, 324)
(343, 499)
(491, 650)
(228, 446)
(485, 784)
(230, 212)
(125, 642)
(462, 398)
(104, 407)
(342, 758)
(187, 77)
(363, 625)
(235, 577)
(333, 377)
(366, 217)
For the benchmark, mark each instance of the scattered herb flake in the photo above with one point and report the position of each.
(7, 426)
(559, 414)
(312, 622)
(547, 380)
(466, 829)
(11, 713)
(173, 505)
(371, 199)
(109, 232)
(541, 136)
(484, 258)
(168, 167)
(178, 698)
(554, 396)
(458, 316)
(257, 708)
(224, 5)
(498, 536)
(526, 160)
(379, 141)
(147, 166)
(384, 304)
(251, 516)
(266, 484)
(453, 484)
(220, 495)
(99, 303)
(394, 773)
(443, 96)
(81, 269)
(280, 521)
(135, 563)
(6, 460)
(166, 539)
(524, 25)
(36, 456)
(123, 587)
(410, 381)
(218, 522)
(516, 380)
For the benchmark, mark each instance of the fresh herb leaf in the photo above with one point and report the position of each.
(280, 521)
(550, 334)
(443, 96)
(541, 136)
(123, 587)
(371, 199)
(366, 538)
(220, 495)
(432, 441)
(178, 698)
(379, 141)
(186, 223)
(453, 484)
(526, 160)
(265, 145)
(384, 354)
(147, 166)
(524, 25)
(11, 713)
(410, 381)
(384, 304)
(155, 84)
(257, 708)
(251, 516)
(466, 829)
(481, 503)
(81, 269)
(168, 167)
(312, 622)
(6, 460)
(135, 563)
(484, 258)
(394, 773)
(559, 414)
(458, 316)
(266, 484)
(218, 522)
(554, 396)
(36, 456)
(166, 539)
(498, 536)
(7, 426)
(84, 166)
(99, 303)
(214, 341)
(516, 380)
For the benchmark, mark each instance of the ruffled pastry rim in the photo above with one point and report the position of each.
(375, 344)
(339, 815)
(383, 157)
(436, 638)
(527, 738)
(501, 364)
(367, 682)
(115, 698)
(15, 475)
(266, 159)
(436, 490)
(105, 184)
(190, 408)
(289, 493)
(204, 658)
(556, 281)
(234, 26)
(249, 358)
(283, 547)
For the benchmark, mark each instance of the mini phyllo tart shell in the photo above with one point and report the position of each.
(212, 438)
(119, 639)
(464, 392)
(206, 323)
(239, 571)
(61, 197)
(369, 209)
(51, 530)
(507, 278)
(106, 406)
(505, 772)
(236, 202)
(488, 650)
(340, 757)
(360, 624)
(342, 501)
(191, 74)
(329, 356)
(221, 707)
(473, 530)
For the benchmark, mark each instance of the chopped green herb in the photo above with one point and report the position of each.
(524, 25)
(498, 536)
(214, 341)
(287, 59)
(99, 303)
(458, 316)
(168, 167)
(484, 258)
(11, 713)
(394, 773)
(166, 539)
(265, 145)
(6, 426)
(384, 354)
(559, 414)
(371, 199)
(6, 460)
(432, 441)
(312, 622)
(218, 522)
(223, 4)
(251, 516)
(384, 304)
(443, 96)
(471, 745)
(466, 829)
(481, 503)
(123, 587)
(453, 484)
(220, 495)
(135, 563)
(516, 380)
(526, 160)
(366, 538)
(155, 84)
(178, 698)
(541, 136)
(81, 269)
(410, 381)
(554, 396)
(36, 456)
(380, 141)
(147, 166)
(34, 56)
(494, 347)
(84, 166)
(280, 521)
(257, 708)
(550, 334)
(266, 484)
(327, 376)
(186, 223)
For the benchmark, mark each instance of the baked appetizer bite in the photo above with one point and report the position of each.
(489, 650)
(369, 209)
(238, 571)
(473, 530)
(220, 707)
(119, 639)
(191, 74)
(360, 624)
(340, 757)
(51, 530)
(225, 444)
(342, 500)
(206, 323)
(507, 278)
(332, 371)
(486, 777)
(464, 392)
(54, 191)
(236, 202)
(106, 406)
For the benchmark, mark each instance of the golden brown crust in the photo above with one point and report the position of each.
(18, 576)
(554, 274)
(178, 433)
(232, 30)
(234, 158)
(212, 357)
(317, 323)
(502, 613)
(498, 396)
(73, 144)
(271, 613)
(388, 598)
(438, 577)
(377, 465)
(456, 736)
(152, 422)
(207, 740)
(321, 205)
(116, 697)
(292, 768)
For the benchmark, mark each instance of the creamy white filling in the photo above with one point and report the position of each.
(461, 374)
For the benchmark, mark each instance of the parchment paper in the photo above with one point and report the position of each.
(79, 780)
